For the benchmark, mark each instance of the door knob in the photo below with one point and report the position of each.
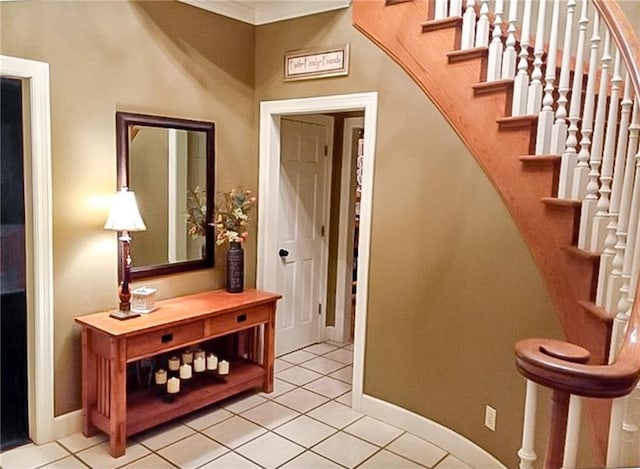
(283, 253)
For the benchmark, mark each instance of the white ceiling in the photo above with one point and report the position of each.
(259, 12)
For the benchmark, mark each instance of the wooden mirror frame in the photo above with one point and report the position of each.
(123, 121)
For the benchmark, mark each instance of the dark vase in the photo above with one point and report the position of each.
(235, 268)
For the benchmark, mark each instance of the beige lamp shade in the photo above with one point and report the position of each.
(124, 214)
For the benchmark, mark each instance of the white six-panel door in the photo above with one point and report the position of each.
(301, 273)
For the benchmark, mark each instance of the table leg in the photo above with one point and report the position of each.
(269, 349)
(118, 401)
(88, 383)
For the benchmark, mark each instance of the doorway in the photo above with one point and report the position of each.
(14, 416)
(271, 115)
(34, 76)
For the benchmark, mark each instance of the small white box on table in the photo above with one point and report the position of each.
(143, 300)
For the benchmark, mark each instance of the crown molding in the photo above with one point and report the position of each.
(263, 12)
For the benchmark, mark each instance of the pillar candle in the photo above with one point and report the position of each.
(174, 364)
(212, 362)
(187, 357)
(173, 385)
(161, 376)
(198, 354)
(185, 371)
(223, 367)
(198, 364)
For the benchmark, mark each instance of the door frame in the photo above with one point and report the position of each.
(268, 190)
(340, 331)
(40, 364)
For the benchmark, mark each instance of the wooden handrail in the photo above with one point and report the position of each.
(624, 36)
(563, 367)
(560, 365)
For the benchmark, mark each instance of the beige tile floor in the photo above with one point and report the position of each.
(305, 423)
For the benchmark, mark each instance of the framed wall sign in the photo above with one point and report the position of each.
(304, 64)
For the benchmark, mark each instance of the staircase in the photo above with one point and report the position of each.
(551, 118)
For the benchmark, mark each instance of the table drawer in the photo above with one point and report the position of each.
(164, 339)
(236, 320)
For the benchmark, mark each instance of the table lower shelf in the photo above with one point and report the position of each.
(149, 407)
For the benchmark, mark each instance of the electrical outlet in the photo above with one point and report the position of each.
(490, 415)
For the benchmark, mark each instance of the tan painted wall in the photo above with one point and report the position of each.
(452, 286)
(161, 58)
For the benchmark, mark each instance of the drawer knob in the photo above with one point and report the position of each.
(241, 318)
(166, 338)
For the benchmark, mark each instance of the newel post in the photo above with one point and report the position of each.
(557, 430)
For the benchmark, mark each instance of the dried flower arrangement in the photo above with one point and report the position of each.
(232, 216)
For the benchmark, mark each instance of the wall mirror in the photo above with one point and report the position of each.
(169, 164)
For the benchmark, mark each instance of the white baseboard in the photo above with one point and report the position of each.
(332, 334)
(431, 431)
(67, 424)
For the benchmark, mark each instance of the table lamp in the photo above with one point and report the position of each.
(125, 217)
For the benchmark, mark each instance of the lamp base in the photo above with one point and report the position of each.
(124, 314)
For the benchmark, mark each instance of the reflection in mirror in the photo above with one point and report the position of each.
(169, 164)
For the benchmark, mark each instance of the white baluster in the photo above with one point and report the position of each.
(595, 158)
(582, 167)
(545, 118)
(626, 233)
(468, 26)
(440, 10)
(509, 56)
(482, 27)
(615, 432)
(455, 8)
(631, 264)
(573, 433)
(601, 219)
(534, 95)
(629, 274)
(521, 82)
(630, 438)
(570, 154)
(627, 448)
(559, 130)
(494, 62)
(609, 286)
(527, 453)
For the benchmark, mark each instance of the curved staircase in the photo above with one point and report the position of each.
(503, 145)
(457, 70)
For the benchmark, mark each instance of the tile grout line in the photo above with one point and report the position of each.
(273, 430)
(56, 459)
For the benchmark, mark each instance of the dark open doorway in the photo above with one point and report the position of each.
(14, 419)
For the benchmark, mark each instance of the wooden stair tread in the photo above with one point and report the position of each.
(549, 157)
(540, 160)
(597, 311)
(562, 203)
(458, 56)
(582, 253)
(517, 122)
(497, 86)
(445, 23)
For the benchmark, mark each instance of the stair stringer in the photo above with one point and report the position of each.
(569, 279)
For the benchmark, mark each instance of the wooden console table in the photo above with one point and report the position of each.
(109, 344)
